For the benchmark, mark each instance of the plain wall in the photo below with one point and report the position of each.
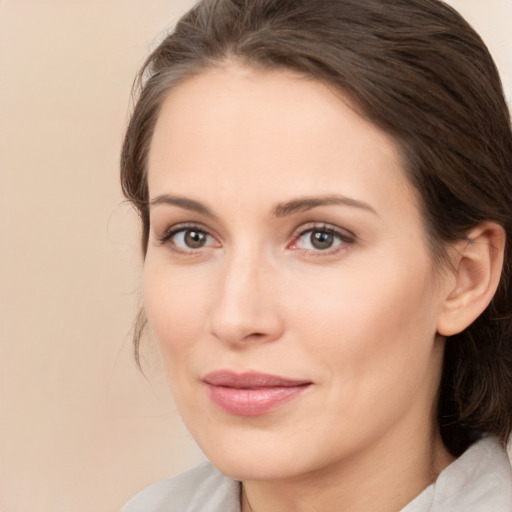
(80, 428)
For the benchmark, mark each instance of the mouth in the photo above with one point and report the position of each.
(251, 393)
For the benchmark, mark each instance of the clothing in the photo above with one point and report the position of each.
(480, 480)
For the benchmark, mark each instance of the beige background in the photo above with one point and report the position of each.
(80, 428)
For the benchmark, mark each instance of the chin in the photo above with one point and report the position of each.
(260, 456)
(254, 468)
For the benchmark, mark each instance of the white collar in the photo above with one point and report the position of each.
(479, 480)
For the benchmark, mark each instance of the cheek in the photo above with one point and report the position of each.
(372, 342)
(176, 308)
(374, 325)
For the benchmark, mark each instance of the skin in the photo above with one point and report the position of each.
(359, 319)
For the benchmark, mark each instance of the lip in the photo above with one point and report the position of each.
(251, 393)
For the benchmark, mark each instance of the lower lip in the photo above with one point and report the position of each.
(253, 402)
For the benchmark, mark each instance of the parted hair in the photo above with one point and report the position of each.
(417, 70)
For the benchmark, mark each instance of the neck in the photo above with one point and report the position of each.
(385, 478)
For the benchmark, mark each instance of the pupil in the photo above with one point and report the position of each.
(321, 240)
(195, 239)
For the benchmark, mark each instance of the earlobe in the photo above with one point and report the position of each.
(478, 261)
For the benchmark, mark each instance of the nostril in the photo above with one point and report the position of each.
(256, 336)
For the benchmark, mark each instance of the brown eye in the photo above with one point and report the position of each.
(321, 240)
(194, 239)
(188, 239)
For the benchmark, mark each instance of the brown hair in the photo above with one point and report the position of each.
(417, 70)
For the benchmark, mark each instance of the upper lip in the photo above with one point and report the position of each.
(250, 380)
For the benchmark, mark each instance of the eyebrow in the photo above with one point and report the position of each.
(308, 203)
(298, 205)
(182, 202)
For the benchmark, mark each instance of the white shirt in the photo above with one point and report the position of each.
(480, 480)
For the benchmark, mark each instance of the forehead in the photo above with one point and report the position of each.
(276, 132)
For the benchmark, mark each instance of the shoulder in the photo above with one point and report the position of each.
(480, 480)
(200, 489)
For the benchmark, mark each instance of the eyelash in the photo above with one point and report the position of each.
(166, 238)
(344, 238)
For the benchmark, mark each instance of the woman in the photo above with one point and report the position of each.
(324, 188)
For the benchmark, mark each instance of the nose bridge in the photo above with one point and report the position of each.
(244, 308)
(242, 273)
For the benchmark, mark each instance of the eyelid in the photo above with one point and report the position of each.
(345, 236)
(170, 232)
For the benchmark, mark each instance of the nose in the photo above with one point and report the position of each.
(245, 308)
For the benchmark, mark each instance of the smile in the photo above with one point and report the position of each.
(251, 393)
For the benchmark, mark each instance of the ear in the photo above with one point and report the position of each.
(477, 264)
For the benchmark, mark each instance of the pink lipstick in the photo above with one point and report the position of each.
(251, 393)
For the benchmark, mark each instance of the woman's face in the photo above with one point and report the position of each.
(287, 278)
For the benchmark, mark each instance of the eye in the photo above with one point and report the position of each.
(190, 239)
(187, 239)
(321, 239)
